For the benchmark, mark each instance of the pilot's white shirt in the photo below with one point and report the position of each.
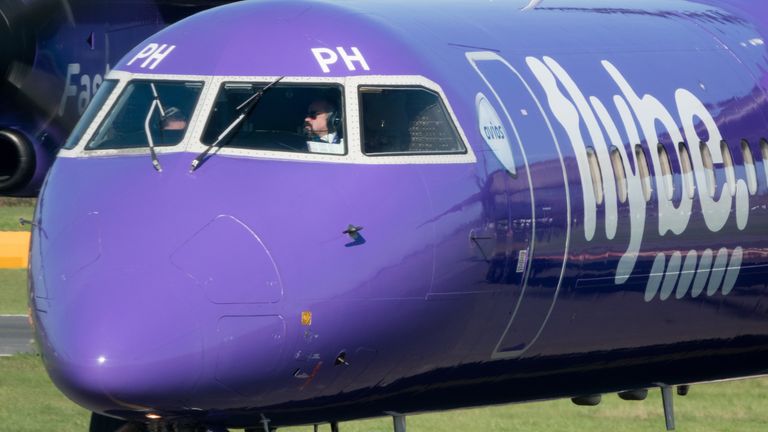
(327, 145)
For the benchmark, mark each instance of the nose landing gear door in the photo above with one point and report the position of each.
(541, 238)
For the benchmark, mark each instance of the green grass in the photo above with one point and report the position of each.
(11, 209)
(29, 402)
(13, 291)
(734, 406)
(13, 283)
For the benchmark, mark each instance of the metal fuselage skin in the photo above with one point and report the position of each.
(182, 293)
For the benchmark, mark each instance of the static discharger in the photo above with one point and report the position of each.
(306, 318)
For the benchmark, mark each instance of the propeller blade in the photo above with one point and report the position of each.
(40, 89)
(21, 79)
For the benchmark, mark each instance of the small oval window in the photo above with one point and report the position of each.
(709, 169)
(749, 167)
(730, 174)
(645, 174)
(687, 166)
(621, 176)
(764, 155)
(597, 177)
(666, 171)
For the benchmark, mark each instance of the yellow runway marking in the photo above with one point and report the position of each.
(14, 250)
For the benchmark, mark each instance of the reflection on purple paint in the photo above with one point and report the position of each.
(490, 275)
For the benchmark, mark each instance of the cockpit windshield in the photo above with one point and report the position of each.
(105, 90)
(288, 117)
(161, 108)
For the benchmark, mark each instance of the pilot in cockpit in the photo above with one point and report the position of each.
(322, 127)
(173, 120)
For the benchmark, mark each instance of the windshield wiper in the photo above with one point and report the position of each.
(155, 103)
(244, 109)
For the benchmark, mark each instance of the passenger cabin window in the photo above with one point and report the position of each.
(106, 89)
(287, 117)
(764, 155)
(159, 110)
(709, 169)
(597, 176)
(621, 175)
(687, 166)
(406, 121)
(644, 170)
(666, 171)
(749, 167)
(730, 173)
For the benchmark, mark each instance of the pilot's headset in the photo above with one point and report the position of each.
(333, 123)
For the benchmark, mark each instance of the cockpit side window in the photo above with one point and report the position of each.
(162, 107)
(106, 89)
(288, 117)
(397, 120)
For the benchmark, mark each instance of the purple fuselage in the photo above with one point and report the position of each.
(185, 293)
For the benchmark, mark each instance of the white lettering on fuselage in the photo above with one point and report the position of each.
(573, 109)
(326, 57)
(89, 85)
(152, 54)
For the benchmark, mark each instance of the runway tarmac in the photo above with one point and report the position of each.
(15, 335)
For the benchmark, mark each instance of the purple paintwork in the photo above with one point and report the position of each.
(181, 293)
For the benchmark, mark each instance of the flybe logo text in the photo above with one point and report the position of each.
(574, 110)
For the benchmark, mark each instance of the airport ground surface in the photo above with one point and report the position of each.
(29, 401)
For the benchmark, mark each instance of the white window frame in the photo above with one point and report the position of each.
(196, 146)
(124, 78)
(394, 81)
(212, 84)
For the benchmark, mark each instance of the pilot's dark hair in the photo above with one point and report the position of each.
(334, 115)
(328, 100)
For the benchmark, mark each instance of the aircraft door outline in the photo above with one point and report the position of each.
(487, 56)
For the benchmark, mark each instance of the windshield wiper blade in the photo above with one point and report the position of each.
(244, 109)
(156, 97)
(148, 132)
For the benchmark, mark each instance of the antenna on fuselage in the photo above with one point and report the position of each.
(532, 5)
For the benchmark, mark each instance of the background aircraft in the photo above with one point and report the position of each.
(54, 55)
(525, 203)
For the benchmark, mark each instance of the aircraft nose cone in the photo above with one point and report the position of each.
(132, 338)
(158, 313)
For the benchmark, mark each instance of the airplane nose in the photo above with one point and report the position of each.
(124, 325)
(113, 340)
(160, 312)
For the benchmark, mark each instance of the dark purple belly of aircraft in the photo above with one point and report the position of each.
(233, 293)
